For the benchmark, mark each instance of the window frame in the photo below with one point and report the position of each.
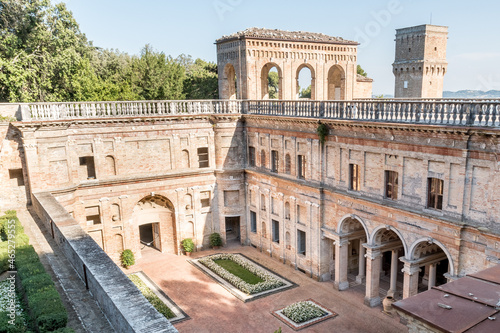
(201, 162)
(301, 242)
(354, 179)
(253, 222)
(391, 183)
(435, 189)
(275, 231)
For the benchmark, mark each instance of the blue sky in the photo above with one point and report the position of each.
(192, 26)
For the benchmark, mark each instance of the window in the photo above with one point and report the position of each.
(87, 164)
(287, 210)
(288, 164)
(17, 176)
(354, 183)
(251, 156)
(301, 166)
(253, 221)
(391, 184)
(93, 215)
(262, 202)
(264, 230)
(287, 241)
(405, 84)
(263, 158)
(203, 157)
(301, 242)
(205, 199)
(435, 193)
(274, 161)
(276, 231)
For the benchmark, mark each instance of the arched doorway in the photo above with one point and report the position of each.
(154, 219)
(229, 88)
(305, 82)
(383, 277)
(271, 81)
(348, 254)
(432, 262)
(336, 83)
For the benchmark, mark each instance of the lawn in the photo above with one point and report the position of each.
(239, 271)
(151, 297)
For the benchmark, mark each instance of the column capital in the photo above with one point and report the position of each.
(410, 268)
(372, 254)
(341, 242)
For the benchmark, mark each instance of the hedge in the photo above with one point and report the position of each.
(44, 302)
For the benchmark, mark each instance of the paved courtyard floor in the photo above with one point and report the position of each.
(212, 308)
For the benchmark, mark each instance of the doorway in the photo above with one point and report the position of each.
(233, 229)
(150, 235)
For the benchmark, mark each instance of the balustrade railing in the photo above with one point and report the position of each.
(429, 111)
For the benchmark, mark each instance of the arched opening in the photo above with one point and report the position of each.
(347, 257)
(185, 159)
(118, 240)
(271, 82)
(110, 166)
(155, 218)
(188, 201)
(287, 240)
(386, 275)
(336, 83)
(434, 264)
(229, 88)
(287, 210)
(189, 230)
(305, 82)
(115, 213)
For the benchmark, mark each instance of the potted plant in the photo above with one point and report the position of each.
(188, 246)
(215, 240)
(127, 258)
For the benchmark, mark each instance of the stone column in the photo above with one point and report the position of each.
(362, 263)
(373, 263)
(432, 276)
(410, 283)
(341, 256)
(394, 273)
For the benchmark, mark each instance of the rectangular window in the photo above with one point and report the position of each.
(16, 175)
(274, 206)
(253, 221)
(301, 242)
(87, 163)
(435, 193)
(354, 183)
(262, 202)
(274, 161)
(391, 184)
(205, 199)
(251, 156)
(93, 215)
(301, 166)
(203, 157)
(276, 231)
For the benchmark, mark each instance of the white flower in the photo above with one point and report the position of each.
(302, 311)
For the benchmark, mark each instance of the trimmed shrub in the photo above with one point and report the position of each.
(4, 257)
(38, 283)
(26, 255)
(64, 330)
(127, 258)
(46, 302)
(188, 245)
(29, 269)
(215, 239)
(18, 327)
(52, 321)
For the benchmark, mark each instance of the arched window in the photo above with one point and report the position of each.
(262, 202)
(185, 159)
(229, 88)
(271, 82)
(287, 240)
(188, 201)
(115, 213)
(305, 82)
(110, 166)
(287, 210)
(336, 83)
(288, 164)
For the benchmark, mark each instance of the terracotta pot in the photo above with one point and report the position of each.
(188, 254)
(387, 303)
(215, 247)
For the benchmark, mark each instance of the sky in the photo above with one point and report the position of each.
(192, 26)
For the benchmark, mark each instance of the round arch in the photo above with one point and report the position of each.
(229, 83)
(313, 79)
(391, 228)
(264, 74)
(154, 218)
(336, 83)
(347, 217)
(431, 241)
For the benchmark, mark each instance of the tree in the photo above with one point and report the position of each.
(201, 78)
(305, 93)
(361, 71)
(273, 85)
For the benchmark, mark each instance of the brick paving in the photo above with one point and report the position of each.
(213, 309)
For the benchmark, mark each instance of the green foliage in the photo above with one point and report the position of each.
(241, 272)
(5, 327)
(361, 71)
(305, 93)
(38, 283)
(27, 270)
(215, 239)
(201, 80)
(273, 84)
(322, 132)
(155, 301)
(127, 258)
(188, 245)
(278, 330)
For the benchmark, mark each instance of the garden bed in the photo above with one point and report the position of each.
(303, 314)
(160, 301)
(241, 276)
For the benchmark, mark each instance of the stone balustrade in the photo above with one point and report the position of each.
(483, 113)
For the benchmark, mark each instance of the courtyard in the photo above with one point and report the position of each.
(211, 308)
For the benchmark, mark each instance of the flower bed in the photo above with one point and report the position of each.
(303, 311)
(270, 282)
(155, 301)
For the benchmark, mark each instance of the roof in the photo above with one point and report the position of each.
(284, 35)
(469, 304)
